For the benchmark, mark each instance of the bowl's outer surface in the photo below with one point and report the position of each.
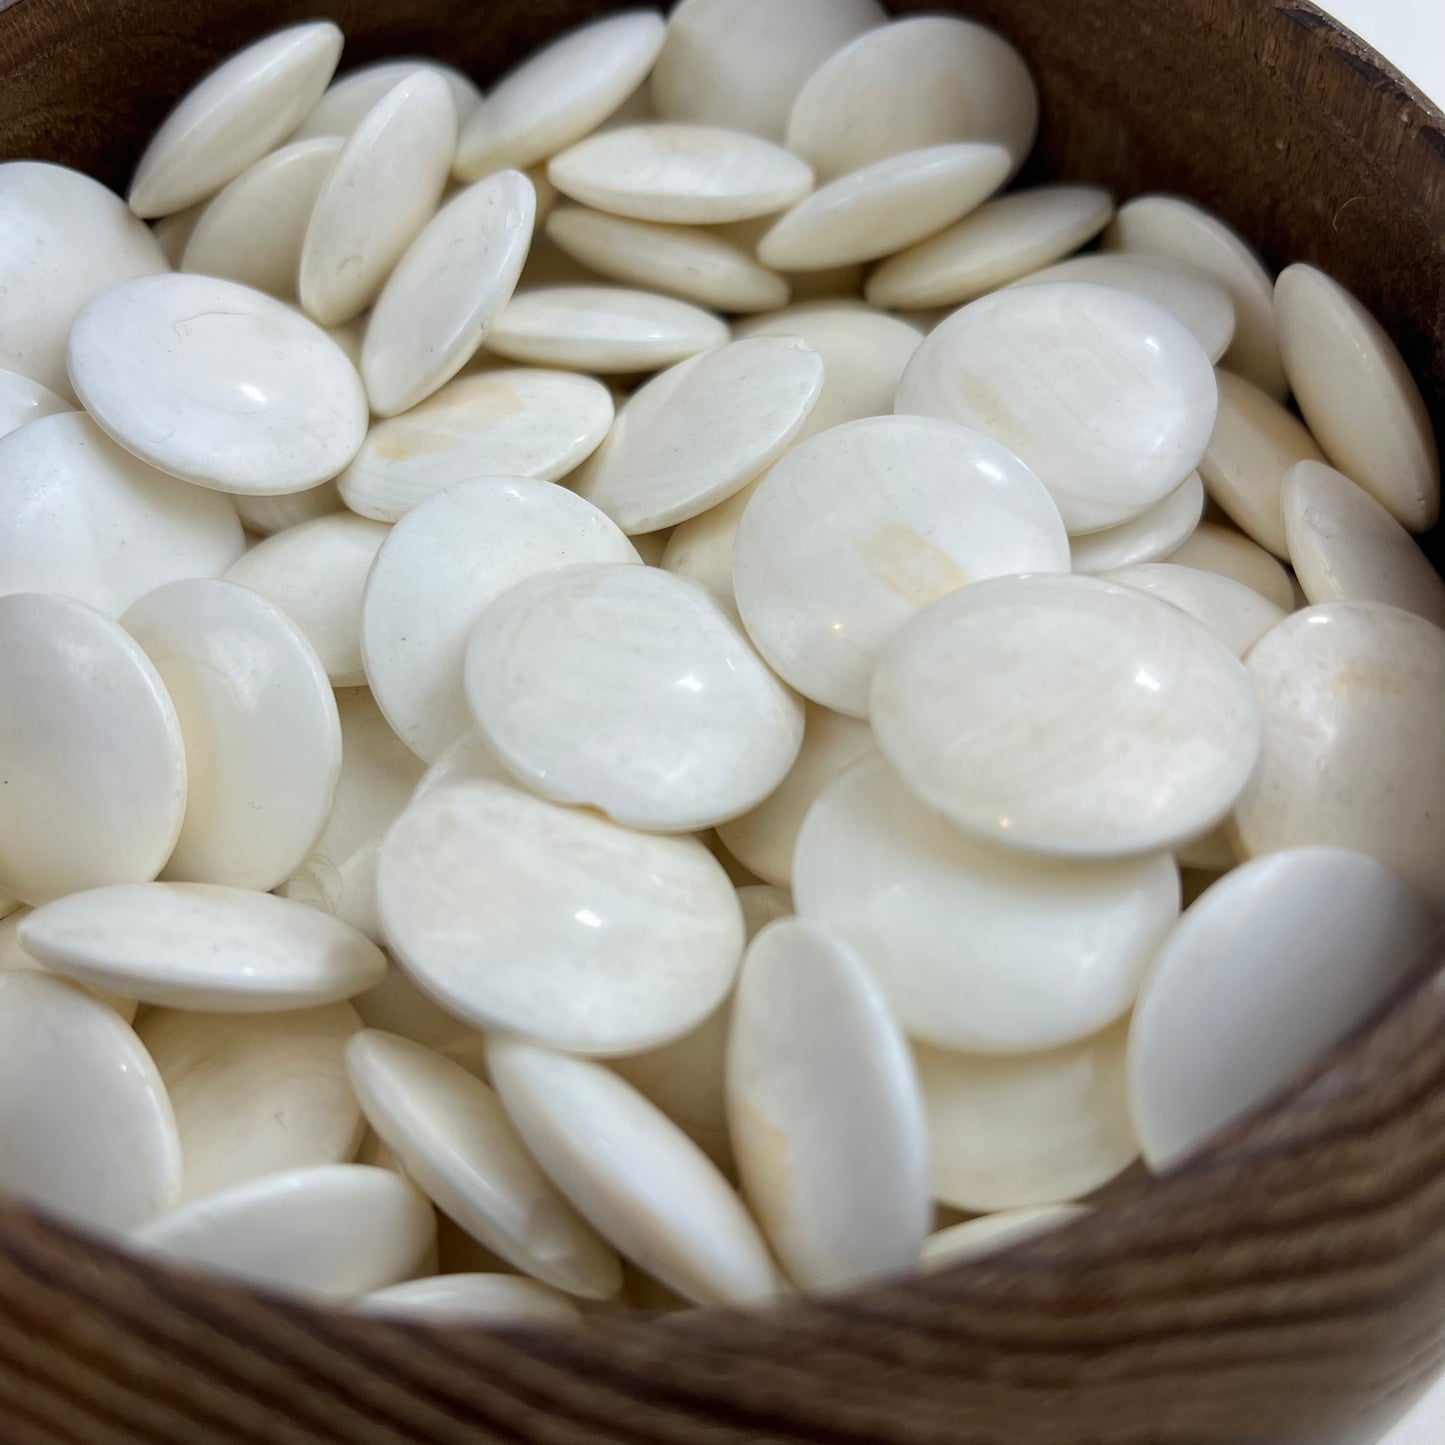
(1287, 1288)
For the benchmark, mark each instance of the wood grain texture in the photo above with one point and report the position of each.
(1287, 1288)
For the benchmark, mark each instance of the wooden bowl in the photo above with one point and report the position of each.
(1285, 1288)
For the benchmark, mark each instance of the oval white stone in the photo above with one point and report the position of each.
(397, 1006)
(475, 1299)
(267, 515)
(1215, 548)
(15, 959)
(1237, 615)
(1152, 535)
(347, 100)
(990, 1233)
(23, 401)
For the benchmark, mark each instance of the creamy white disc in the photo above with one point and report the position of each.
(1221, 549)
(90, 750)
(437, 570)
(82, 517)
(200, 946)
(1357, 395)
(884, 206)
(449, 1133)
(217, 384)
(920, 81)
(348, 99)
(446, 291)
(63, 239)
(642, 1183)
(701, 431)
(560, 93)
(990, 1233)
(247, 104)
(266, 516)
(1237, 615)
(1065, 715)
(1153, 534)
(1016, 1133)
(263, 744)
(382, 189)
(999, 242)
(470, 1299)
(397, 1006)
(14, 958)
(686, 174)
(602, 328)
(825, 1114)
(739, 63)
(1346, 547)
(256, 1094)
(1353, 755)
(513, 422)
(89, 1132)
(554, 923)
(693, 262)
(853, 532)
(1272, 966)
(337, 1230)
(1106, 398)
(252, 231)
(977, 947)
(23, 401)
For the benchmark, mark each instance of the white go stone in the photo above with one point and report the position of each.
(1317, 939)
(602, 328)
(1237, 615)
(1065, 715)
(1347, 548)
(740, 63)
(90, 751)
(990, 1233)
(513, 422)
(237, 113)
(449, 1133)
(468, 759)
(1034, 1129)
(999, 242)
(15, 958)
(63, 239)
(853, 532)
(336, 1231)
(1357, 395)
(89, 1132)
(701, 431)
(446, 291)
(559, 94)
(474, 1299)
(825, 1114)
(315, 574)
(1215, 548)
(436, 572)
(528, 918)
(684, 174)
(265, 516)
(1352, 755)
(218, 384)
(23, 401)
(921, 81)
(252, 231)
(262, 739)
(977, 947)
(189, 945)
(256, 1094)
(642, 1183)
(1108, 400)
(81, 517)
(382, 189)
(397, 1006)
(1151, 536)
(1178, 230)
(884, 206)
(348, 99)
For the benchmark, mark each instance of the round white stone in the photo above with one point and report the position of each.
(245, 106)
(397, 1006)
(81, 517)
(449, 1133)
(1152, 535)
(256, 1094)
(14, 958)
(642, 1183)
(977, 947)
(1068, 716)
(1353, 755)
(999, 242)
(471, 1299)
(701, 431)
(437, 571)
(553, 923)
(217, 384)
(560, 93)
(265, 516)
(347, 100)
(1017, 1133)
(1107, 399)
(1268, 969)
(991, 1233)
(90, 751)
(89, 1132)
(23, 401)
(1237, 615)
(852, 533)
(1215, 548)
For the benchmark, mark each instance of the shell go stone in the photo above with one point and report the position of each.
(991, 1233)
(491, 1299)
(16, 959)
(1151, 536)
(1211, 547)
(1237, 615)
(346, 102)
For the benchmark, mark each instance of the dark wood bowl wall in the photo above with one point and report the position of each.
(1286, 1288)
